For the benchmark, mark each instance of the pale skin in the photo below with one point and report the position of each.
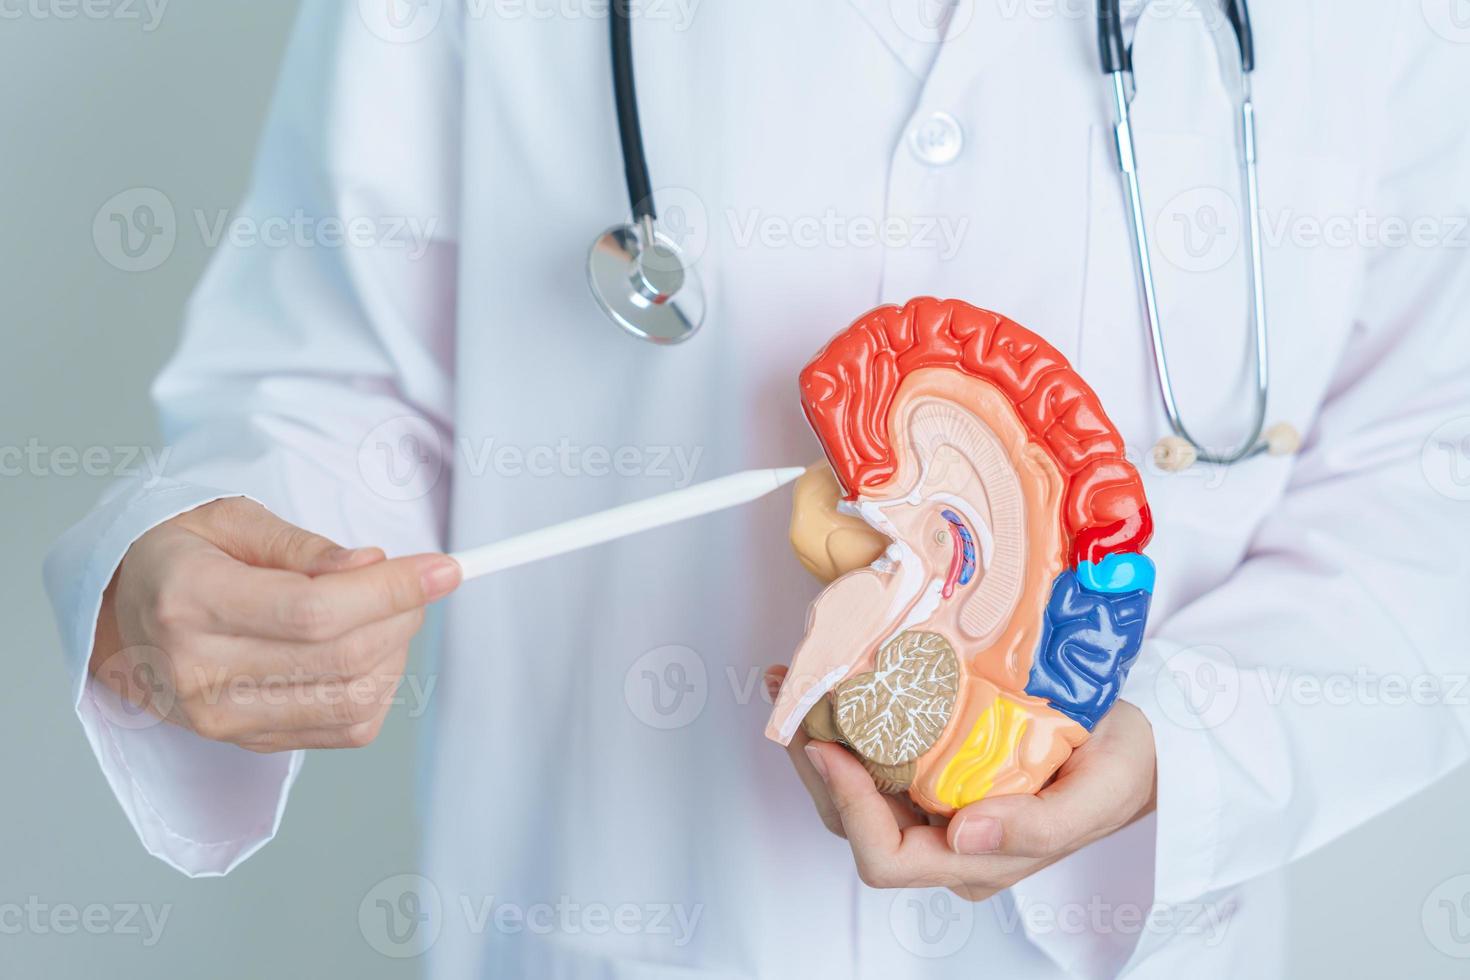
(245, 629)
(1105, 785)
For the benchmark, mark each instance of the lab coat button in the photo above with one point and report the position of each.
(938, 139)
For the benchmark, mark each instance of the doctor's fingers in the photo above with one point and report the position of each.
(355, 737)
(205, 661)
(245, 530)
(1106, 784)
(227, 597)
(806, 771)
(891, 845)
(244, 712)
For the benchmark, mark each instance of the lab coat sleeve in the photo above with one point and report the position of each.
(314, 376)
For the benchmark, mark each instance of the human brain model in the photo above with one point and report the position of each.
(1002, 592)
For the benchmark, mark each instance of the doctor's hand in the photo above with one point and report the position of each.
(1105, 785)
(236, 625)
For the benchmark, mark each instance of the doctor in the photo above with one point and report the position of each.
(341, 415)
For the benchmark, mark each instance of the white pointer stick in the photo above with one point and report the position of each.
(618, 522)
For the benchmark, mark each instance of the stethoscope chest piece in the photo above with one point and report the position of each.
(643, 282)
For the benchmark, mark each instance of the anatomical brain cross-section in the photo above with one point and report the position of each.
(995, 530)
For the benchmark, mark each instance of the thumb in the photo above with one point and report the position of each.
(248, 532)
(1088, 800)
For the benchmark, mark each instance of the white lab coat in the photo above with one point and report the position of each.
(560, 772)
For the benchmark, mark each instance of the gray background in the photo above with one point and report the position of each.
(98, 106)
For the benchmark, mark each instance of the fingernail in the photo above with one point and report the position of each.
(441, 578)
(977, 835)
(338, 557)
(773, 686)
(818, 763)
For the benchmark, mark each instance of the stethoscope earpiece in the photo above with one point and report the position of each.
(1174, 453)
(1282, 439)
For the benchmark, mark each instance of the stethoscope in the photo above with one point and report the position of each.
(644, 282)
(640, 276)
